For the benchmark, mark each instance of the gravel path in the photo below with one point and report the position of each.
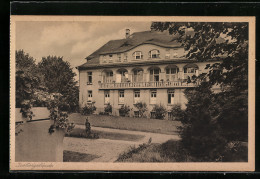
(107, 149)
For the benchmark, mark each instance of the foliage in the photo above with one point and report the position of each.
(142, 108)
(124, 110)
(87, 133)
(173, 151)
(177, 112)
(133, 150)
(88, 109)
(26, 111)
(27, 79)
(108, 108)
(214, 119)
(159, 111)
(59, 78)
(51, 75)
(59, 116)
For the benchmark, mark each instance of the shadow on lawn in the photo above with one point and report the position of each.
(81, 133)
(70, 156)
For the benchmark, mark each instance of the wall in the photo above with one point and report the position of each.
(98, 95)
(145, 48)
(35, 144)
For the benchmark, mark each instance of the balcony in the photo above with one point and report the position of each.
(138, 85)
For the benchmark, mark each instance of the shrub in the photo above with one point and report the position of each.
(88, 109)
(177, 112)
(133, 150)
(108, 108)
(26, 107)
(159, 111)
(124, 110)
(87, 133)
(142, 108)
(59, 117)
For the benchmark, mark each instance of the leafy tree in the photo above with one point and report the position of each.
(59, 78)
(214, 118)
(27, 79)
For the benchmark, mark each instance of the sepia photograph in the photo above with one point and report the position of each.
(132, 93)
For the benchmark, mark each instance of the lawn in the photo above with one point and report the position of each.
(80, 133)
(128, 123)
(70, 156)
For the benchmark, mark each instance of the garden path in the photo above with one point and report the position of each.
(108, 149)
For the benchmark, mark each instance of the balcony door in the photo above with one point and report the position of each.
(138, 75)
(107, 76)
(155, 74)
(172, 73)
(122, 76)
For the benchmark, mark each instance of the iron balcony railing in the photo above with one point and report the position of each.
(155, 84)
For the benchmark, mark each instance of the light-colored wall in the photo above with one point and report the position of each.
(98, 95)
(35, 144)
(145, 48)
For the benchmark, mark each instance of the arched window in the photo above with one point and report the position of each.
(171, 73)
(155, 74)
(138, 75)
(154, 53)
(138, 55)
(190, 70)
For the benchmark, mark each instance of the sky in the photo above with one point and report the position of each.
(74, 41)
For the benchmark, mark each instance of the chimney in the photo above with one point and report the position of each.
(127, 33)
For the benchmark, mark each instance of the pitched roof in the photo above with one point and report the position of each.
(138, 38)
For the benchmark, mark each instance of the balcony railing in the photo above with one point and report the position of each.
(156, 84)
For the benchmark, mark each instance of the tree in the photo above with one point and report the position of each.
(225, 114)
(59, 78)
(27, 79)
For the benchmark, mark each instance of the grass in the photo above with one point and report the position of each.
(128, 123)
(170, 151)
(78, 132)
(69, 156)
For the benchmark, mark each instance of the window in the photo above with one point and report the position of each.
(138, 75)
(170, 116)
(154, 54)
(110, 58)
(153, 97)
(104, 59)
(119, 57)
(138, 55)
(136, 96)
(190, 70)
(107, 97)
(171, 73)
(167, 54)
(125, 57)
(154, 74)
(121, 97)
(90, 95)
(89, 78)
(136, 114)
(170, 96)
(175, 54)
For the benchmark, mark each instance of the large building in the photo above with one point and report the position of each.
(145, 67)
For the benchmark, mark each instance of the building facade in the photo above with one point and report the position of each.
(145, 67)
